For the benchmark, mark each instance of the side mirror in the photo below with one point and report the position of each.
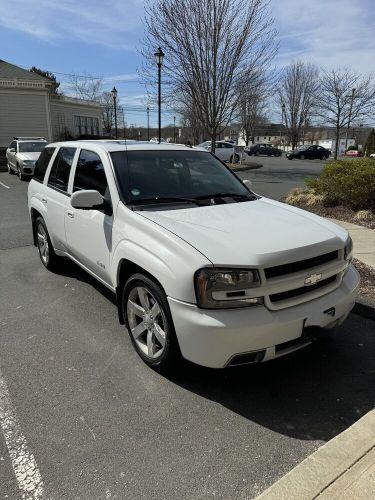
(247, 183)
(87, 199)
(11, 150)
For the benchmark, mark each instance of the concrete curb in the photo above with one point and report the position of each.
(246, 167)
(321, 469)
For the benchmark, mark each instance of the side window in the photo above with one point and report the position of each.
(59, 175)
(42, 163)
(90, 173)
(229, 146)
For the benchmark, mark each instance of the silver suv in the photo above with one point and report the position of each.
(22, 154)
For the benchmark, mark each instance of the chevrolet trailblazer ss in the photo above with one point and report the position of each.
(201, 266)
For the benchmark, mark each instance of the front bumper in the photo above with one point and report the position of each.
(27, 169)
(214, 337)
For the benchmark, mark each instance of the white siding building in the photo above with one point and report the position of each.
(28, 108)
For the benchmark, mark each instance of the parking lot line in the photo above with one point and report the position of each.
(4, 185)
(24, 465)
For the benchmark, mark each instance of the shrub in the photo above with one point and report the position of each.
(347, 183)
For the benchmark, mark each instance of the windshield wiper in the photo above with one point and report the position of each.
(162, 199)
(227, 195)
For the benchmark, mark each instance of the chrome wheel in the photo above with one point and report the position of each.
(147, 322)
(43, 244)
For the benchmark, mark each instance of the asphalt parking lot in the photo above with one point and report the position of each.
(100, 424)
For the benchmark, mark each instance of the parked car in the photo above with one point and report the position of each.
(223, 150)
(22, 154)
(309, 153)
(372, 155)
(353, 152)
(263, 149)
(201, 266)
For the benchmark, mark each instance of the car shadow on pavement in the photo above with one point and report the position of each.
(313, 394)
(69, 269)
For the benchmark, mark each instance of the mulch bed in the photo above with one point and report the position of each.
(367, 273)
(340, 213)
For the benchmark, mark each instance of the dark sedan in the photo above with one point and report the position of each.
(309, 153)
(263, 149)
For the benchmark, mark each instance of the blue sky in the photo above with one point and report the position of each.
(101, 38)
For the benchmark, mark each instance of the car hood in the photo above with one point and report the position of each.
(28, 156)
(255, 233)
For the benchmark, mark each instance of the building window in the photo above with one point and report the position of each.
(86, 125)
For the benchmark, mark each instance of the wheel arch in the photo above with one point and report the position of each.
(126, 269)
(34, 214)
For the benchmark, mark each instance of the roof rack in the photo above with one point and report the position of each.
(29, 138)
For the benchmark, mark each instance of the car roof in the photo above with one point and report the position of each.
(118, 145)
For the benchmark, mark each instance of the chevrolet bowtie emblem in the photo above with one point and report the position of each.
(312, 279)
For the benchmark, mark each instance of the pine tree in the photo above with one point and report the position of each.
(370, 143)
(50, 76)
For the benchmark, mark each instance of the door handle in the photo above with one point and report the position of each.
(44, 200)
(70, 214)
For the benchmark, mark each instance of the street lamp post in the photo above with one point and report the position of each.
(148, 123)
(159, 55)
(174, 129)
(123, 122)
(349, 119)
(114, 95)
(282, 123)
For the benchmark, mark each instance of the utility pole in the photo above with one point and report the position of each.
(123, 121)
(148, 123)
(349, 120)
(174, 129)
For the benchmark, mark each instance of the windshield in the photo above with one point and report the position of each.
(31, 147)
(145, 175)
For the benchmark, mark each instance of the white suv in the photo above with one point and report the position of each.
(22, 154)
(201, 266)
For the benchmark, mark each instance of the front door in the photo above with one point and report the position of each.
(11, 156)
(89, 232)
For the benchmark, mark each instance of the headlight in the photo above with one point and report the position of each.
(226, 288)
(348, 251)
(28, 163)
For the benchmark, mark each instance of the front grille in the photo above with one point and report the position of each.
(293, 267)
(289, 294)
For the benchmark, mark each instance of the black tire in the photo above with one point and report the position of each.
(236, 159)
(170, 353)
(52, 261)
(324, 157)
(20, 174)
(256, 153)
(290, 158)
(302, 157)
(10, 170)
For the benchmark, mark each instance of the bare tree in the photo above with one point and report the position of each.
(208, 44)
(298, 90)
(86, 87)
(108, 112)
(345, 97)
(253, 88)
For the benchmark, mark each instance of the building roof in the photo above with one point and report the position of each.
(10, 71)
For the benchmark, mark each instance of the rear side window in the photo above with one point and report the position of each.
(42, 163)
(90, 173)
(59, 175)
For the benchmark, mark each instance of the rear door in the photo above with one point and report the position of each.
(220, 151)
(55, 195)
(89, 232)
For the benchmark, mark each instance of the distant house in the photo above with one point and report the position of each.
(29, 108)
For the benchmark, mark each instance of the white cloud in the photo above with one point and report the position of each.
(114, 23)
(330, 33)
